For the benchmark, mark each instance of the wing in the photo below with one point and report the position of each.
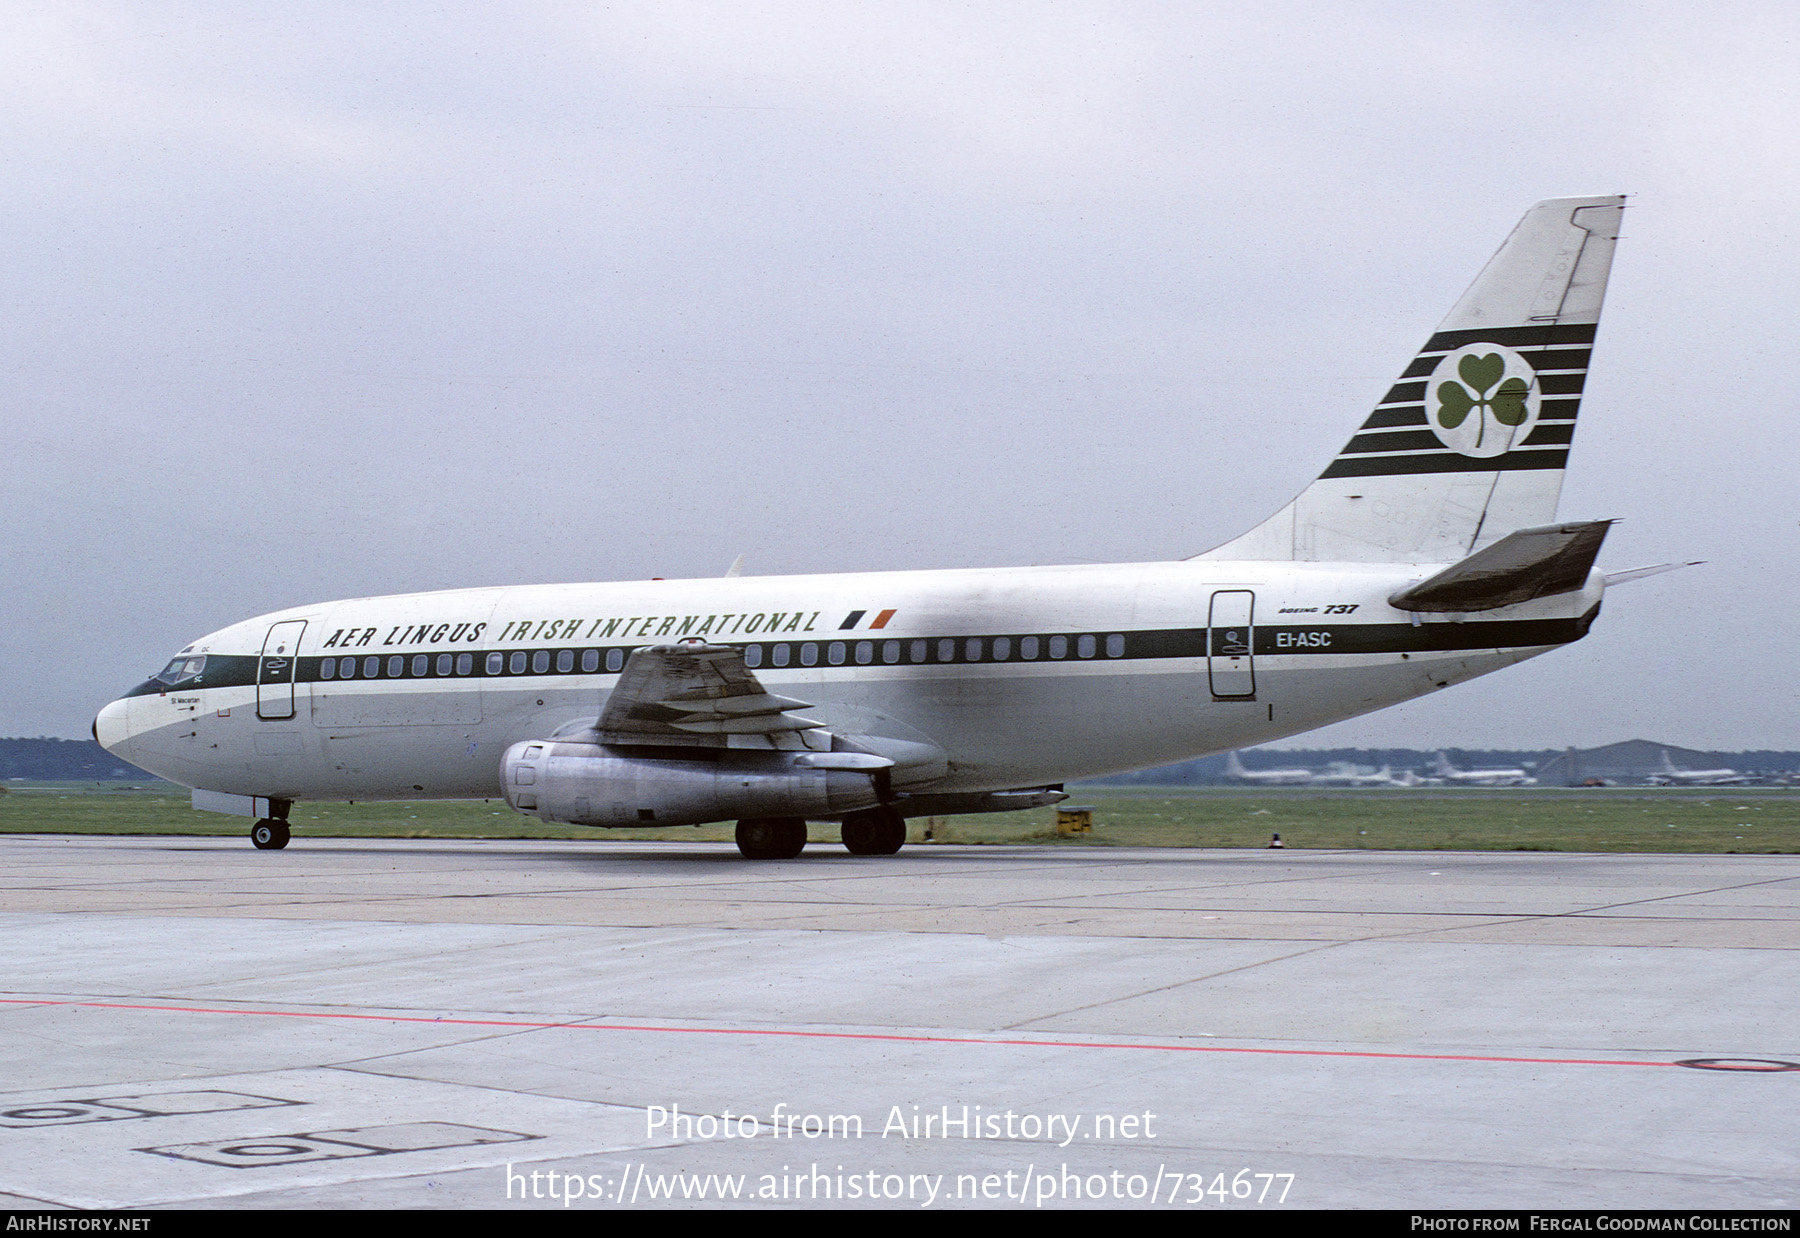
(700, 694)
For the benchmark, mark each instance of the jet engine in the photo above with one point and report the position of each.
(587, 783)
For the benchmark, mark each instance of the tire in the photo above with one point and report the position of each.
(772, 838)
(269, 834)
(876, 831)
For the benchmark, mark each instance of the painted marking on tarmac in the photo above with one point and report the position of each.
(261, 1150)
(887, 1037)
(66, 1110)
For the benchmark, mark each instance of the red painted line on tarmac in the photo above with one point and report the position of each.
(890, 1037)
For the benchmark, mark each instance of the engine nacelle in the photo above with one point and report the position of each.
(597, 784)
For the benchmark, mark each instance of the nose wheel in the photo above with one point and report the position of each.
(269, 834)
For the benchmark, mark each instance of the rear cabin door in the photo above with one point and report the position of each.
(1230, 660)
(277, 669)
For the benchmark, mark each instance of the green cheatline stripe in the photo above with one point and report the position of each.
(227, 671)
(1381, 418)
(1563, 384)
(1564, 408)
(1410, 439)
(1449, 462)
(1548, 435)
(1540, 359)
(1567, 380)
(1393, 440)
(1513, 337)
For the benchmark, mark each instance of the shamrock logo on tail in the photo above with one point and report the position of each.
(1482, 374)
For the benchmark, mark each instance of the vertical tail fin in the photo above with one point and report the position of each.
(1471, 442)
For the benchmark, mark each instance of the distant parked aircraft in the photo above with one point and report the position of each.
(1441, 767)
(1234, 770)
(1344, 774)
(1669, 776)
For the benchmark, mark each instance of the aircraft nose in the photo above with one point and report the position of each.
(112, 729)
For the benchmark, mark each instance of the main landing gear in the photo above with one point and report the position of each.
(771, 838)
(269, 834)
(876, 831)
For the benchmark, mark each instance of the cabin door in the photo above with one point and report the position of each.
(277, 669)
(1230, 656)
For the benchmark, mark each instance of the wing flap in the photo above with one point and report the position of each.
(689, 691)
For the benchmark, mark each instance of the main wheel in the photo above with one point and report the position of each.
(875, 831)
(772, 838)
(269, 834)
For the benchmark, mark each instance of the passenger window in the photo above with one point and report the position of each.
(946, 650)
(328, 669)
(753, 656)
(1084, 647)
(615, 658)
(1059, 646)
(972, 649)
(779, 655)
(921, 650)
(540, 661)
(1115, 645)
(1002, 648)
(445, 661)
(890, 651)
(590, 661)
(421, 664)
(465, 662)
(371, 667)
(396, 667)
(517, 663)
(834, 653)
(1028, 648)
(347, 669)
(496, 662)
(565, 661)
(809, 654)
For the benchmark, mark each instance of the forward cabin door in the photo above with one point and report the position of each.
(277, 669)
(1230, 657)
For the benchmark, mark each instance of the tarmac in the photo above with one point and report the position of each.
(192, 1023)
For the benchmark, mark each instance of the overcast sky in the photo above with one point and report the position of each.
(321, 300)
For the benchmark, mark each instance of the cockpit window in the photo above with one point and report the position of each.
(182, 669)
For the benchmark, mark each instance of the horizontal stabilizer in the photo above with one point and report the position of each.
(1527, 564)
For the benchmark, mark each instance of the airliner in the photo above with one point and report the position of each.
(1294, 777)
(1425, 554)
(1345, 774)
(1670, 775)
(1441, 768)
(1337, 774)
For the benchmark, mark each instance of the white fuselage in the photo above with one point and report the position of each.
(971, 680)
